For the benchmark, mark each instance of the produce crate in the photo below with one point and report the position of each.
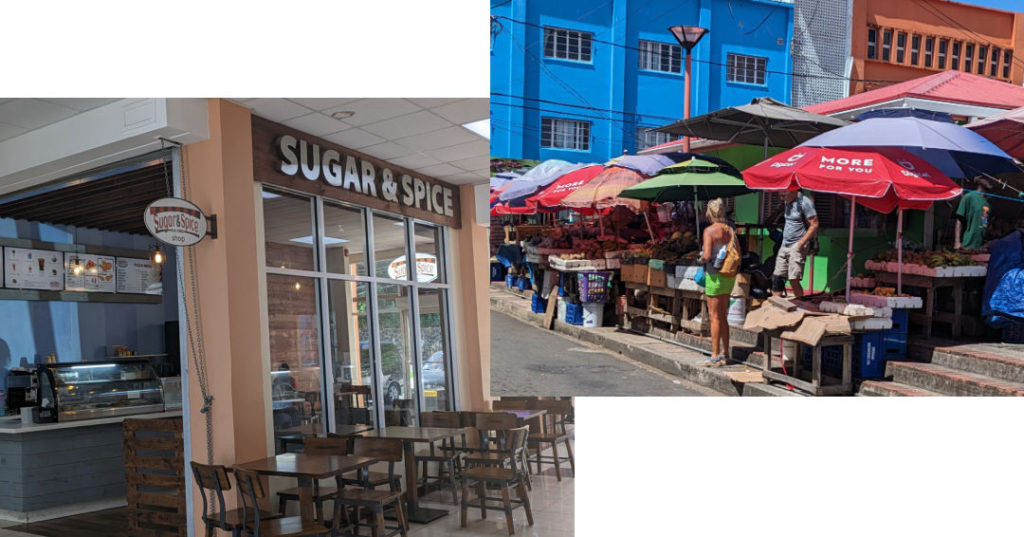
(522, 283)
(497, 272)
(635, 273)
(510, 280)
(594, 286)
(538, 304)
(656, 264)
(1014, 333)
(869, 357)
(574, 314)
(657, 278)
(558, 263)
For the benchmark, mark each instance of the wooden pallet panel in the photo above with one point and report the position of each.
(155, 475)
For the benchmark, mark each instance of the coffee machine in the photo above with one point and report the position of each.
(22, 389)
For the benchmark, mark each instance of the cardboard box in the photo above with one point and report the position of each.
(741, 289)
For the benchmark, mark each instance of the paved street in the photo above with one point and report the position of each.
(526, 360)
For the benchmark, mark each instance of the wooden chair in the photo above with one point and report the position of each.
(492, 429)
(215, 478)
(376, 501)
(446, 455)
(510, 404)
(383, 450)
(251, 490)
(485, 477)
(321, 493)
(553, 432)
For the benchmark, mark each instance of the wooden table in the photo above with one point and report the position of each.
(410, 436)
(674, 307)
(816, 386)
(307, 468)
(525, 415)
(957, 320)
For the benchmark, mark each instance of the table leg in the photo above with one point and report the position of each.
(306, 499)
(415, 513)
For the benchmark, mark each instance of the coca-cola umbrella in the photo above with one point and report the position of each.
(882, 179)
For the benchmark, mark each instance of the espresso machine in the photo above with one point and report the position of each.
(22, 389)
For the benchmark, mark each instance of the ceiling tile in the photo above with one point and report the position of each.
(373, 110)
(473, 164)
(81, 104)
(386, 150)
(415, 161)
(33, 113)
(431, 103)
(276, 109)
(464, 111)
(441, 170)
(10, 131)
(323, 104)
(317, 124)
(478, 148)
(354, 138)
(445, 137)
(409, 125)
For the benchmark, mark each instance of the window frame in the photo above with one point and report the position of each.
(553, 134)
(584, 52)
(968, 57)
(954, 55)
(732, 69)
(929, 51)
(901, 47)
(641, 137)
(872, 51)
(1007, 62)
(982, 59)
(915, 49)
(994, 63)
(645, 51)
(943, 48)
(887, 44)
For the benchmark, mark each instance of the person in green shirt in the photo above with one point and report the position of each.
(972, 217)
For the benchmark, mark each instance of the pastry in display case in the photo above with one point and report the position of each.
(85, 390)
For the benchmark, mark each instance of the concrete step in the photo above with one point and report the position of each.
(946, 381)
(888, 388)
(760, 389)
(999, 367)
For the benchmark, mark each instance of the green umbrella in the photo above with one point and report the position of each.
(694, 179)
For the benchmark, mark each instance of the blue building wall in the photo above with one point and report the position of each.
(32, 329)
(611, 91)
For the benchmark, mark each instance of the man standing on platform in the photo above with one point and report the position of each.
(801, 227)
(972, 217)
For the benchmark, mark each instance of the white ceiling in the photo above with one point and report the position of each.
(424, 135)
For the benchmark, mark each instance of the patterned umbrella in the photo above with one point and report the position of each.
(602, 191)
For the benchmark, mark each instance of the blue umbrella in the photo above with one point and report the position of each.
(646, 164)
(956, 151)
(539, 176)
(503, 178)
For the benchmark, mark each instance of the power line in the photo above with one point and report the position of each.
(592, 108)
(573, 114)
(708, 62)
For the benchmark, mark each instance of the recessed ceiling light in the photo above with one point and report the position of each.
(482, 128)
(342, 114)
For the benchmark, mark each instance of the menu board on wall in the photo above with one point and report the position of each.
(96, 275)
(140, 276)
(25, 268)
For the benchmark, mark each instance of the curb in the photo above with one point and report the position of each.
(672, 359)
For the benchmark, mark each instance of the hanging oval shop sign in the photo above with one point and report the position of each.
(175, 221)
(426, 268)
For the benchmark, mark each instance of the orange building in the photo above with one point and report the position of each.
(897, 41)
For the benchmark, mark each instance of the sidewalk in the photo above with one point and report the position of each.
(737, 378)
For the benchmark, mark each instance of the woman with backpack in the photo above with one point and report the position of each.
(721, 258)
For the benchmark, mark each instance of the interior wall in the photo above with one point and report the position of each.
(75, 331)
(470, 255)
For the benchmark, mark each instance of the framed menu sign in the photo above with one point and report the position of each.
(95, 274)
(140, 276)
(26, 268)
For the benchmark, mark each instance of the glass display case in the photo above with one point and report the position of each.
(78, 391)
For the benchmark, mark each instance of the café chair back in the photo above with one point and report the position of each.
(445, 454)
(250, 489)
(552, 432)
(492, 427)
(510, 404)
(505, 479)
(213, 479)
(349, 502)
(321, 493)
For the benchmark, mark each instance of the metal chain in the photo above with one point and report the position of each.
(193, 323)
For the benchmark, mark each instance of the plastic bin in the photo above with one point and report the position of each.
(593, 314)
(497, 272)
(594, 286)
(538, 304)
(869, 357)
(574, 314)
(522, 283)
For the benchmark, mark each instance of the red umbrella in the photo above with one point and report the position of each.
(882, 179)
(603, 190)
(1005, 129)
(552, 195)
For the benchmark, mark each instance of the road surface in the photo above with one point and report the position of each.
(527, 360)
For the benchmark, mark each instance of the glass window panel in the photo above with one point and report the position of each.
(982, 56)
(968, 57)
(399, 385)
(901, 45)
(886, 44)
(915, 47)
(345, 235)
(954, 59)
(351, 353)
(1007, 58)
(943, 46)
(929, 48)
(428, 253)
(294, 326)
(288, 230)
(872, 37)
(434, 350)
(389, 247)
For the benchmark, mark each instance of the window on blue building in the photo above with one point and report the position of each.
(662, 57)
(748, 69)
(872, 43)
(565, 133)
(647, 137)
(567, 44)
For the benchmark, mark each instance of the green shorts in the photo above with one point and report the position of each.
(716, 284)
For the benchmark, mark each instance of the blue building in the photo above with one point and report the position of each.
(581, 80)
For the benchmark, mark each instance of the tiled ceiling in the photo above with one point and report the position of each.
(424, 135)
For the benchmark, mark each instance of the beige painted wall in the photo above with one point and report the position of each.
(472, 310)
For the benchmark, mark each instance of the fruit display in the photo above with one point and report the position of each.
(928, 258)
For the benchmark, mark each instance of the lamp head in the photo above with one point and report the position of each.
(688, 36)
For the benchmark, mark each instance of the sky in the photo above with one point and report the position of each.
(1008, 5)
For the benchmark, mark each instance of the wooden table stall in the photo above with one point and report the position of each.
(674, 307)
(958, 321)
(816, 385)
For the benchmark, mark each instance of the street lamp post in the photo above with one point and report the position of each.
(688, 36)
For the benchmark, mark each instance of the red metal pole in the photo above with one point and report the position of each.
(686, 100)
